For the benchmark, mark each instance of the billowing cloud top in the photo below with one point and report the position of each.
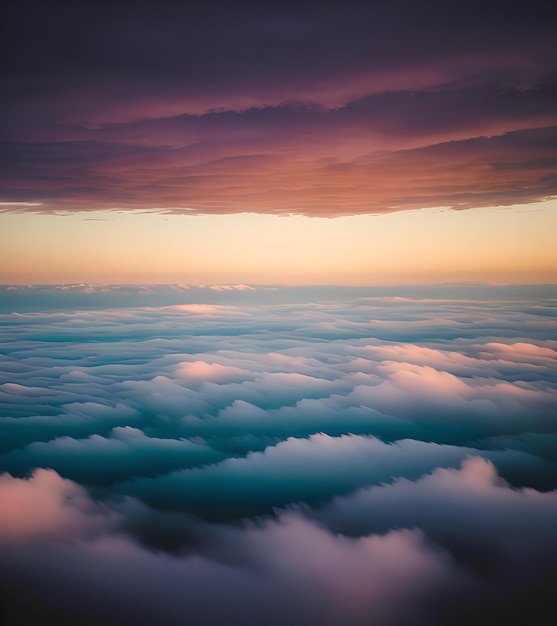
(313, 108)
(343, 461)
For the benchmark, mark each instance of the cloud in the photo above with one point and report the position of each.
(323, 368)
(398, 575)
(317, 111)
(330, 461)
(325, 577)
(46, 505)
(470, 511)
(323, 181)
(125, 453)
(309, 471)
(525, 353)
(198, 372)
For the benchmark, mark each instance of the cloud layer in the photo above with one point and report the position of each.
(315, 462)
(318, 110)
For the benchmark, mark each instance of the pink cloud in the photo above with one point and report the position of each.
(289, 162)
(206, 309)
(46, 505)
(201, 371)
(350, 578)
(420, 380)
(519, 352)
(420, 355)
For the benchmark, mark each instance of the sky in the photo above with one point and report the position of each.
(286, 143)
(278, 313)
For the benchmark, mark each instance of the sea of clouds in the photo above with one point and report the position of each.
(224, 454)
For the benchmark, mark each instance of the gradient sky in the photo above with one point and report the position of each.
(160, 142)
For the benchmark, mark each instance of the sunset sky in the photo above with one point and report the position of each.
(278, 312)
(282, 143)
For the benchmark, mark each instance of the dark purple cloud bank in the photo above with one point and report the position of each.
(312, 108)
(356, 459)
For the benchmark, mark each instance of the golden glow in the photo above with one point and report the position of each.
(503, 245)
